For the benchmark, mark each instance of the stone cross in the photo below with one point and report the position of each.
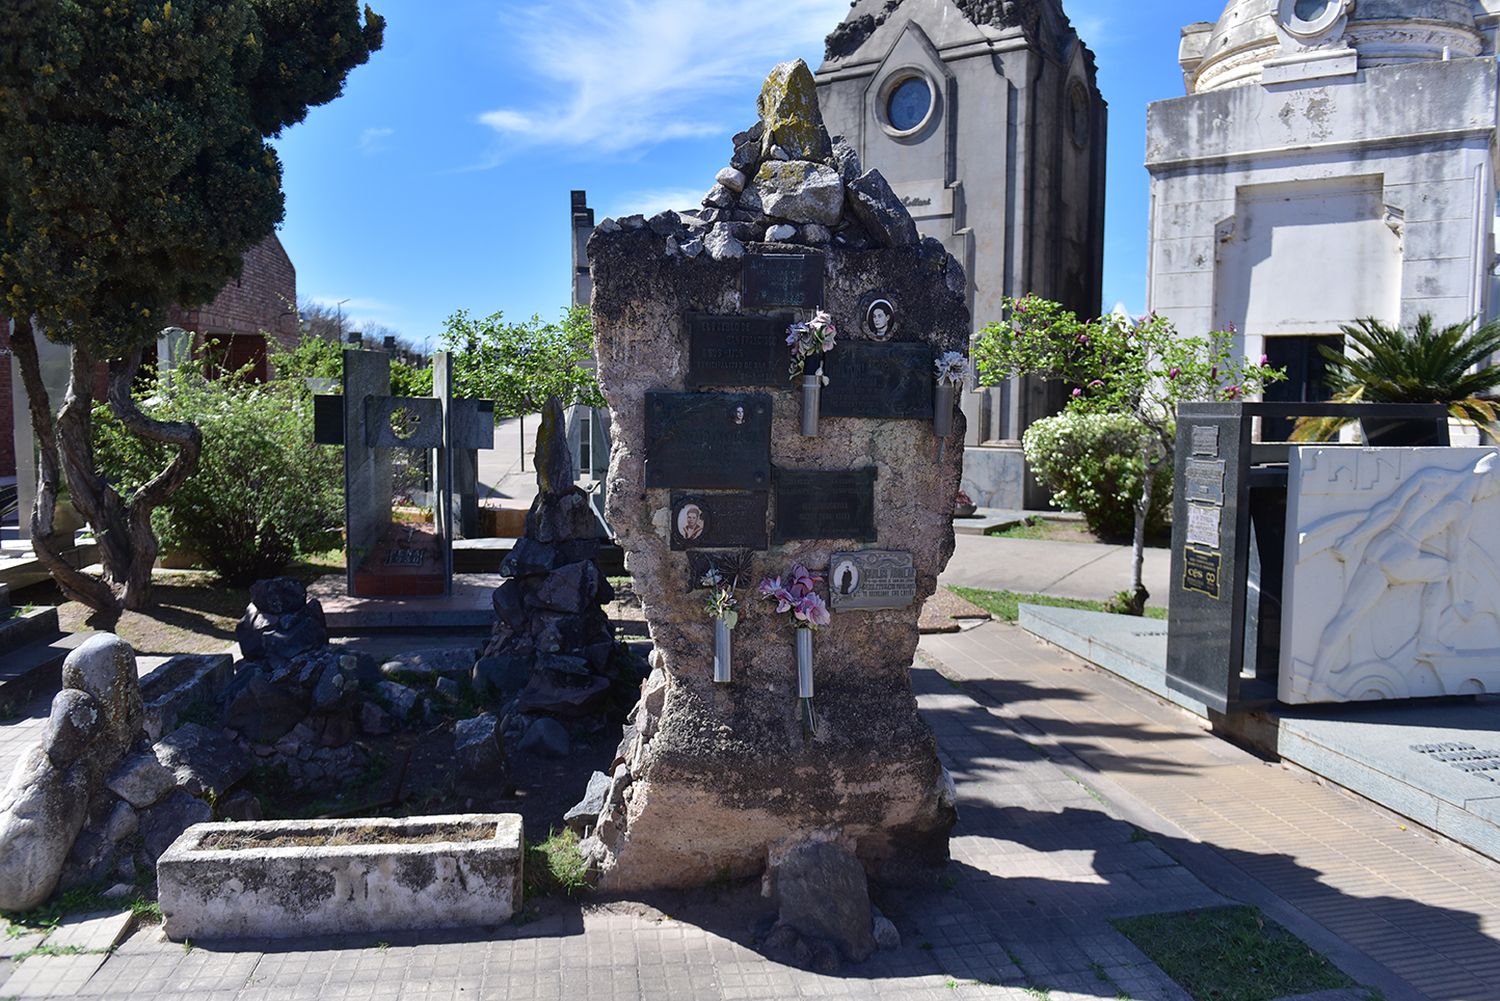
(387, 559)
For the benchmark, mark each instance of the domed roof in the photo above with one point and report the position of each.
(1232, 51)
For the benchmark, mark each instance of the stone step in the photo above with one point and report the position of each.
(35, 668)
(26, 627)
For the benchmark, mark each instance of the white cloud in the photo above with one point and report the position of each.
(632, 73)
(372, 141)
(649, 203)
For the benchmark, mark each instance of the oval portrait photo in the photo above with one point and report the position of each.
(880, 319)
(846, 578)
(691, 523)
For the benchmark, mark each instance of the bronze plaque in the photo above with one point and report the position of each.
(825, 504)
(772, 280)
(708, 441)
(737, 350)
(878, 380)
(719, 521)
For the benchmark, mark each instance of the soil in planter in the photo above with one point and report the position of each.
(362, 834)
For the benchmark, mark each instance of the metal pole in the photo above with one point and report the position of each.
(522, 425)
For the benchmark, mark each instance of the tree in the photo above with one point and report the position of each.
(134, 175)
(521, 365)
(1140, 367)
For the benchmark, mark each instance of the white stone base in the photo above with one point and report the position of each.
(995, 476)
(296, 891)
(1392, 586)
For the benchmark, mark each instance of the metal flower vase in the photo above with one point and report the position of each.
(723, 651)
(812, 398)
(942, 412)
(804, 663)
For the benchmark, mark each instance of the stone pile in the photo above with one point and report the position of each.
(551, 654)
(94, 802)
(788, 182)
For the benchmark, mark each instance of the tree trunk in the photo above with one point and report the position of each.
(74, 583)
(93, 497)
(188, 441)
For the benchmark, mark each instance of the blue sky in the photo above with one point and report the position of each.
(441, 179)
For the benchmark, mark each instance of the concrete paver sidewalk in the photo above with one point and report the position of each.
(1093, 571)
(1352, 879)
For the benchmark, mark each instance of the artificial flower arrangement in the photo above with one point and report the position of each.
(811, 338)
(797, 596)
(952, 370)
(724, 609)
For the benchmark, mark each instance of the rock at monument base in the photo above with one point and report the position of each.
(75, 721)
(202, 761)
(164, 823)
(41, 813)
(104, 667)
(820, 891)
(548, 738)
(141, 780)
(585, 814)
(260, 709)
(287, 625)
(501, 677)
(478, 754)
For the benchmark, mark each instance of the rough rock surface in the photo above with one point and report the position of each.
(280, 622)
(715, 774)
(67, 815)
(821, 892)
(550, 625)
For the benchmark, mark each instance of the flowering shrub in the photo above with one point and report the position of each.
(797, 596)
(1092, 463)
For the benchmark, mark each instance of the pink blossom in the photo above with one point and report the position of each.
(1077, 392)
(1213, 374)
(1265, 361)
(1174, 373)
(1097, 384)
(1232, 392)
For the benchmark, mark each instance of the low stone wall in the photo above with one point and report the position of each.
(368, 886)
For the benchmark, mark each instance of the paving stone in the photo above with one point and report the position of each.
(51, 976)
(94, 932)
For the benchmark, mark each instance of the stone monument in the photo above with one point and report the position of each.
(728, 471)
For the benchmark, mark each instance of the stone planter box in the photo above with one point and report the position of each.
(180, 684)
(377, 875)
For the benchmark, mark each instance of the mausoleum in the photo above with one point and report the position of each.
(986, 118)
(1332, 160)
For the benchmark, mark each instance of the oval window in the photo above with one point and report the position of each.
(909, 104)
(1311, 10)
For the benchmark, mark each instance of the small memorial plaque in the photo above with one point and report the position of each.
(719, 521)
(783, 280)
(1201, 571)
(736, 350)
(736, 568)
(871, 579)
(1206, 440)
(1203, 525)
(708, 441)
(819, 504)
(878, 380)
(1205, 481)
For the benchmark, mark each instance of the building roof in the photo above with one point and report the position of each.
(1233, 50)
(1042, 22)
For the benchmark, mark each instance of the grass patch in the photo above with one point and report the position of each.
(1006, 605)
(1231, 954)
(555, 866)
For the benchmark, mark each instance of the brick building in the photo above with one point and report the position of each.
(233, 329)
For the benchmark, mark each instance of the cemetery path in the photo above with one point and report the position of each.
(1358, 883)
(1093, 571)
